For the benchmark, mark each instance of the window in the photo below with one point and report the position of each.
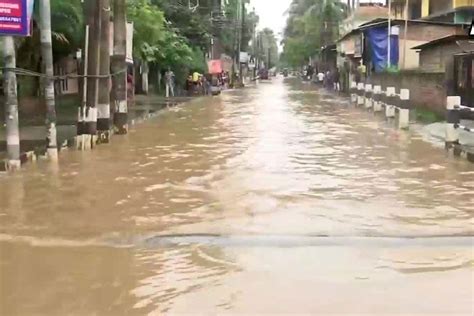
(415, 10)
(462, 74)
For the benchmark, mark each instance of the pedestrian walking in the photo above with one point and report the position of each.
(207, 84)
(329, 80)
(310, 72)
(321, 78)
(196, 84)
(170, 82)
(337, 80)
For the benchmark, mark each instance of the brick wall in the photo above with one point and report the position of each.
(429, 32)
(418, 34)
(427, 90)
(436, 58)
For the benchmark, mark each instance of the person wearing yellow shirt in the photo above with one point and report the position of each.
(196, 76)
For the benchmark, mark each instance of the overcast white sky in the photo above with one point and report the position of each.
(271, 13)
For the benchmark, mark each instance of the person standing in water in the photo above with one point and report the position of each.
(169, 80)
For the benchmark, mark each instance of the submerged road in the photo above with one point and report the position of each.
(275, 199)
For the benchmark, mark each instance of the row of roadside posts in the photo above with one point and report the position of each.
(372, 97)
(396, 106)
(455, 111)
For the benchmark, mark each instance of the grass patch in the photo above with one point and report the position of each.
(428, 117)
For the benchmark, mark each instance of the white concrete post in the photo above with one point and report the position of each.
(404, 111)
(368, 96)
(390, 108)
(360, 94)
(452, 132)
(353, 92)
(377, 96)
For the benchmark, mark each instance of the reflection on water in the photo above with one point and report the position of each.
(278, 185)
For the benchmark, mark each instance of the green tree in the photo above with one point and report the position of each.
(311, 25)
(67, 25)
(267, 47)
(149, 29)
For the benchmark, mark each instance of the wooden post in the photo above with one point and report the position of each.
(49, 93)
(119, 66)
(103, 107)
(11, 106)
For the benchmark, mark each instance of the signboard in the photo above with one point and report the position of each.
(252, 63)
(129, 48)
(15, 17)
(215, 66)
(227, 62)
(130, 43)
(471, 30)
(244, 57)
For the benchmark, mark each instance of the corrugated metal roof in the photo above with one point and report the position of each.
(447, 39)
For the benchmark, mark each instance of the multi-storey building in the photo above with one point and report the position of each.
(455, 11)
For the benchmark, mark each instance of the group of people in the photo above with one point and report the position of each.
(197, 83)
(337, 79)
(331, 79)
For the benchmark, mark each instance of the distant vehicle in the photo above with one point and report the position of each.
(263, 74)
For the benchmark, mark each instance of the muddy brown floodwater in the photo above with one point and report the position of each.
(277, 199)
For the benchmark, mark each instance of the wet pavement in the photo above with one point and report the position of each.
(276, 199)
(33, 136)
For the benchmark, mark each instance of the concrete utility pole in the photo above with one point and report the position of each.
(389, 43)
(49, 94)
(241, 37)
(119, 66)
(405, 43)
(94, 12)
(236, 42)
(254, 48)
(269, 57)
(103, 108)
(81, 124)
(11, 105)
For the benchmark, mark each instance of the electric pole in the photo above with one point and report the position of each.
(11, 105)
(48, 69)
(94, 13)
(236, 42)
(241, 39)
(103, 108)
(119, 68)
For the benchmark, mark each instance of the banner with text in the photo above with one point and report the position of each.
(15, 17)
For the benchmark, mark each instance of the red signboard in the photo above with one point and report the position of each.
(15, 17)
(215, 66)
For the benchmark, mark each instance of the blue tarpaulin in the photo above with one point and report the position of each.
(378, 44)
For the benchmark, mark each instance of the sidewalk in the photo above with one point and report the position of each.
(33, 138)
(466, 139)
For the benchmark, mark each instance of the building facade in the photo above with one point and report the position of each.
(454, 11)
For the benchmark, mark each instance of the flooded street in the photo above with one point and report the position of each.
(276, 199)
